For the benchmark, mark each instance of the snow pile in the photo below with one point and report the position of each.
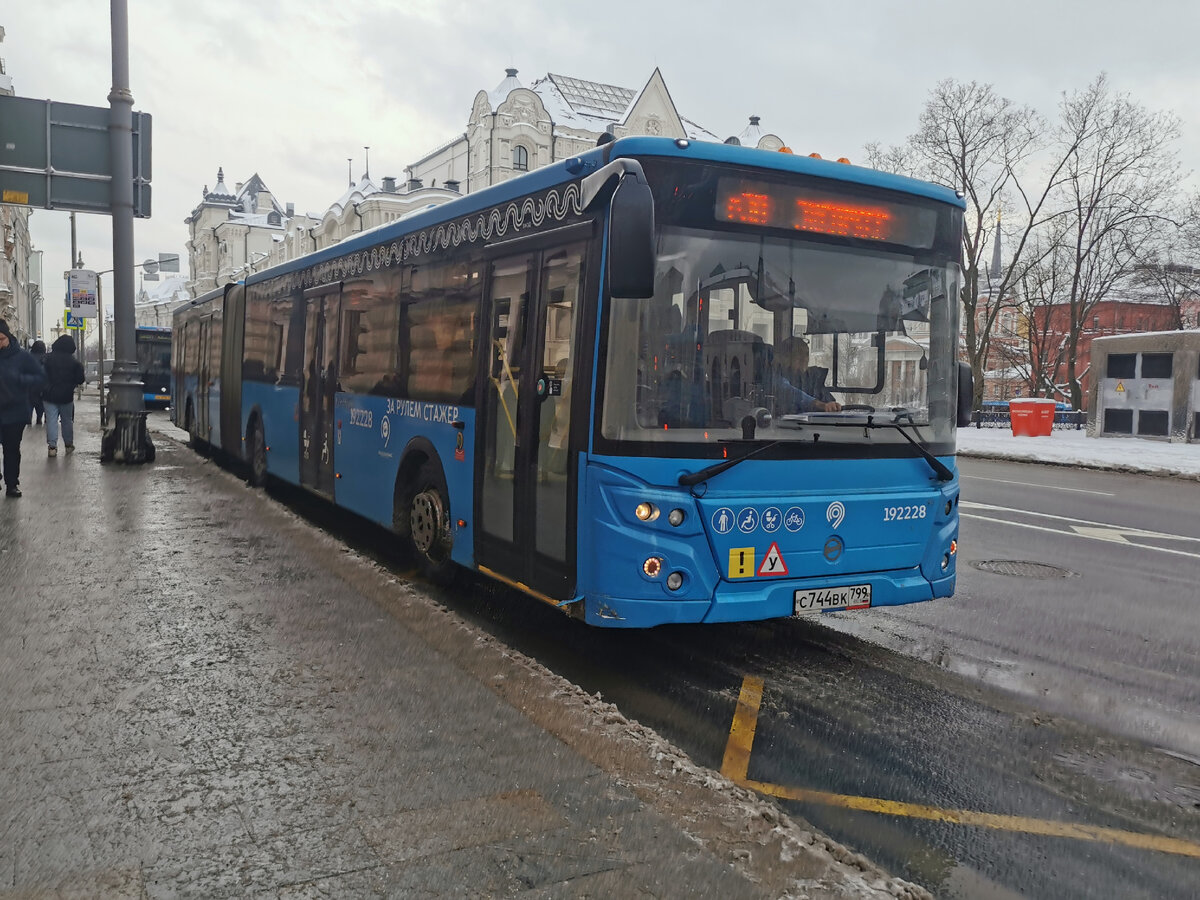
(1072, 447)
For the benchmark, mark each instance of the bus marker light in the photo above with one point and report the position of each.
(653, 566)
(675, 517)
(814, 156)
(843, 159)
(462, 523)
(953, 547)
(647, 512)
(675, 581)
(682, 143)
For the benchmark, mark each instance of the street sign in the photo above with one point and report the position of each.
(58, 156)
(168, 262)
(70, 321)
(81, 288)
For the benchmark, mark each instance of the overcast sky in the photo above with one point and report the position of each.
(290, 90)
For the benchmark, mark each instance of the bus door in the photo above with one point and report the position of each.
(204, 377)
(322, 313)
(526, 502)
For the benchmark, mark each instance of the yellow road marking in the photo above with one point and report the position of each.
(741, 736)
(737, 762)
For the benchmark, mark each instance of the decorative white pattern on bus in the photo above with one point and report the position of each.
(529, 212)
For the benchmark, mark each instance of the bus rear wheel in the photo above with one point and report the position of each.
(257, 446)
(429, 524)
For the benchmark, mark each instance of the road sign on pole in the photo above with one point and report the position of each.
(82, 286)
(70, 321)
(59, 156)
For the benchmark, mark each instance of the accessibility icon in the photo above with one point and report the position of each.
(722, 520)
(748, 520)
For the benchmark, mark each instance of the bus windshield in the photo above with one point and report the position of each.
(754, 334)
(154, 353)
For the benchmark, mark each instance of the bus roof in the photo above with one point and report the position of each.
(576, 167)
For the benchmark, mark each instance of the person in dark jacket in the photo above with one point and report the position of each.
(63, 373)
(19, 375)
(38, 352)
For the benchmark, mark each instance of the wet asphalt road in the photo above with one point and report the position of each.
(201, 695)
(944, 722)
(949, 728)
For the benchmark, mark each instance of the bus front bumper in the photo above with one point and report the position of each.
(753, 601)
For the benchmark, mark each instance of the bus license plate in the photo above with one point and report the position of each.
(850, 596)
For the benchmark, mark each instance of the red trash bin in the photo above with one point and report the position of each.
(1032, 416)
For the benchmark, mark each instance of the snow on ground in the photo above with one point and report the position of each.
(1074, 448)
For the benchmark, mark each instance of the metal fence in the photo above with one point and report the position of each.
(999, 418)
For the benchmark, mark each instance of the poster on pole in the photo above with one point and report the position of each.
(82, 289)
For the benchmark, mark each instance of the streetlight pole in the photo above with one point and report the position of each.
(125, 437)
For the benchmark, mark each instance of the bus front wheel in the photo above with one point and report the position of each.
(429, 523)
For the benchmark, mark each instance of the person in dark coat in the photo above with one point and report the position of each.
(19, 375)
(38, 352)
(63, 374)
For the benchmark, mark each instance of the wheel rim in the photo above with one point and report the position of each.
(258, 457)
(425, 521)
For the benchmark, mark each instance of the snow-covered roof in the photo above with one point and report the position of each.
(500, 93)
(593, 97)
(362, 190)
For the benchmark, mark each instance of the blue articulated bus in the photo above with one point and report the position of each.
(153, 347)
(660, 382)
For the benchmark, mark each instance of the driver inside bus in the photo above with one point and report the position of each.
(802, 387)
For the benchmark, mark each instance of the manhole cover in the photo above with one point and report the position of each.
(1022, 568)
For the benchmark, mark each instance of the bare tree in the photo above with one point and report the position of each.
(1171, 269)
(1120, 176)
(980, 143)
(1041, 288)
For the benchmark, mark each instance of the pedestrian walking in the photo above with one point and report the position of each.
(19, 375)
(63, 374)
(38, 352)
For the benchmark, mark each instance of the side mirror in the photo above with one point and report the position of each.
(631, 238)
(966, 394)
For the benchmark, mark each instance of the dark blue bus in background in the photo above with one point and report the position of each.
(580, 382)
(153, 348)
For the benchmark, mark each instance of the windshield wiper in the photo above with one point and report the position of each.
(898, 413)
(691, 478)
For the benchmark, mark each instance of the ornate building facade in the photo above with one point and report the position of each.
(511, 129)
(20, 264)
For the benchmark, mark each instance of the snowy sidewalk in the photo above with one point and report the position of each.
(1070, 447)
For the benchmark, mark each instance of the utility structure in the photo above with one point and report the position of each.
(125, 436)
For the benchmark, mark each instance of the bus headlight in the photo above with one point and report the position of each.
(675, 581)
(653, 566)
(675, 517)
(647, 512)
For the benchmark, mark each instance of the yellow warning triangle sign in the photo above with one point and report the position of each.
(773, 563)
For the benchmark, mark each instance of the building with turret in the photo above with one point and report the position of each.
(511, 130)
(20, 264)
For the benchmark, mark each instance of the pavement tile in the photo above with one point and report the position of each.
(203, 696)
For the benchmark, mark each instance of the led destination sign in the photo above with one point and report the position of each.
(769, 205)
